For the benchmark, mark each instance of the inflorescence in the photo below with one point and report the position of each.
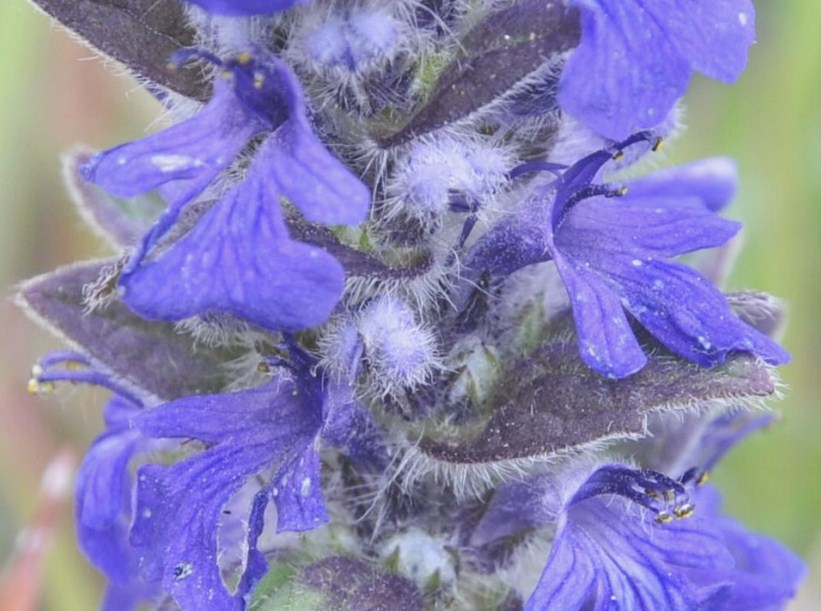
(396, 286)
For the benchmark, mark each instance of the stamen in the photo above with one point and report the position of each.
(581, 174)
(684, 511)
(644, 136)
(75, 368)
(657, 492)
(263, 367)
(594, 191)
(36, 387)
(69, 358)
(184, 55)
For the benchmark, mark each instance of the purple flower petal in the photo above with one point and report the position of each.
(118, 597)
(239, 259)
(705, 331)
(611, 254)
(516, 507)
(273, 432)
(509, 246)
(713, 181)
(179, 507)
(103, 495)
(606, 340)
(607, 553)
(598, 230)
(623, 244)
(323, 189)
(255, 95)
(196, 150)
(767, 574)
(237, 8)
(296, 493)
(636, 56)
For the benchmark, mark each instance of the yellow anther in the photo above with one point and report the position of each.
(670, 495)
(227, 75)
(74, 366)
(703, 478)
(622, 191)
(36, 387)
(684, 511)
(171, 67)
(651, 494)
(259, 80)
(658, 145)
(663, 517)
(244, 58)
(264, 367)
(618, 155)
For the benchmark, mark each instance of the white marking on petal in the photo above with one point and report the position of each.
(175, 163)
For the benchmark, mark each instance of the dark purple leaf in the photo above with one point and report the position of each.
(761, 311)
(356, 262)
(496, 54)
(152, 356)
(552, 403)
(141, 34)
(345, 583)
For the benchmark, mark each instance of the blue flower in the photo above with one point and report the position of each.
(238, 8)
(273, 432)
(636, 56)
(611, 251)
(608, 555)
(238, 257)
(634, 538)
(102, 500)
(631, 538)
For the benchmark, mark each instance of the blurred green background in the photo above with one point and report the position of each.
(54, 94)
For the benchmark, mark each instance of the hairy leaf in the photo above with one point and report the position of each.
(152, 356)
(338, 583)
(551, 403)
(496, 54)
(761, 311)
(141, 34)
